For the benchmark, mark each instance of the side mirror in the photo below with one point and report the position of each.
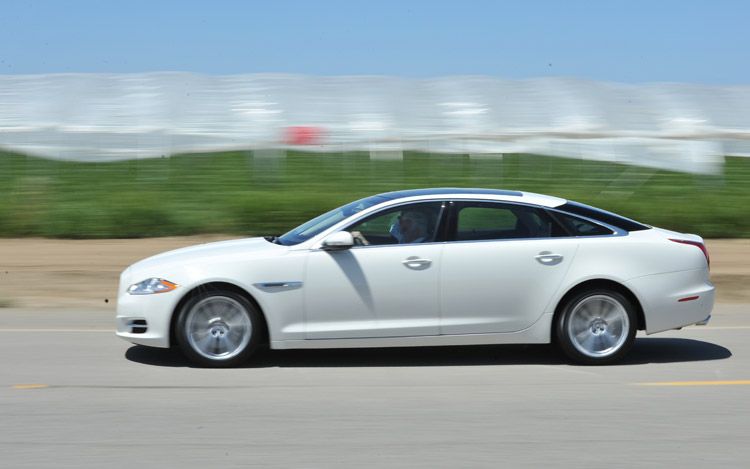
(338, 241)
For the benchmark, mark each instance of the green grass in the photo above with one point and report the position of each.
(249, 194)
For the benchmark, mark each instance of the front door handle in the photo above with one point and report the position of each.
(548, 258)
(416, 263)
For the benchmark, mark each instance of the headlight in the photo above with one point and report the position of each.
(150, 286)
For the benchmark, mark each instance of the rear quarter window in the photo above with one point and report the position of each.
(580, 227)
(611, 219)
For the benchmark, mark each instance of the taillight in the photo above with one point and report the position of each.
(697, 244)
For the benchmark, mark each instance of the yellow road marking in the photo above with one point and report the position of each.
(699, 383)
(30, 386)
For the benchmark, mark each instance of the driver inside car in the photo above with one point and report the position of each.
(410, 227)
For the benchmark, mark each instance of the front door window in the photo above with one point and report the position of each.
(405, 224)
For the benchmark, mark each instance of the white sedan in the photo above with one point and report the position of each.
(424, 267)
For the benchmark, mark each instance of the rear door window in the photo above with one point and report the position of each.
(476, 221)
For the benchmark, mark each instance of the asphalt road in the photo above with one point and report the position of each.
(74, 395)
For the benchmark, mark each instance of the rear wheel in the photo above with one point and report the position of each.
(596, 327)
(218, 329)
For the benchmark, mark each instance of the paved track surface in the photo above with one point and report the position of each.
(73, 395)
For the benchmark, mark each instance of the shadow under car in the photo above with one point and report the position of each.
(645, 350)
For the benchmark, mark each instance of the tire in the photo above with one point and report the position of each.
(596, 327)
(218, 329)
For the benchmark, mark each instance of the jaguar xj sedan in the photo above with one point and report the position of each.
(422, 268)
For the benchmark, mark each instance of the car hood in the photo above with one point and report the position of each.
(236, 248)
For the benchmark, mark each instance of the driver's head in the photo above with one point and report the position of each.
(413, 225)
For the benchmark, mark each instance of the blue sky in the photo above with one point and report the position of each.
(626, 41)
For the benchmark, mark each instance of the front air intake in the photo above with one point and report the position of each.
(137, 326)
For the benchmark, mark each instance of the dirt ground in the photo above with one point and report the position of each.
(39, 273)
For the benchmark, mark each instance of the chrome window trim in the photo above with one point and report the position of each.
(397, 245)
(315, 244)
(553, 238)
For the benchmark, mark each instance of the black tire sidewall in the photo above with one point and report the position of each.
(203, 361)
(565, 343)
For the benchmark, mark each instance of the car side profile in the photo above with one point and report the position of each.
(424, 267)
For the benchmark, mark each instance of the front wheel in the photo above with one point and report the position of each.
(218, 329)
(596, 327)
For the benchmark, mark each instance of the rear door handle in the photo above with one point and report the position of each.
(416, 263)
(548, 258)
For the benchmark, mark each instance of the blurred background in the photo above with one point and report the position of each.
(247, 118)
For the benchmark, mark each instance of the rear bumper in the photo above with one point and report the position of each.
(675, 299)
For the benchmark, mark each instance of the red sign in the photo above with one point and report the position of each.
(303, 135)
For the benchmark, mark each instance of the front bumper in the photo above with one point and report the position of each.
(146, 319)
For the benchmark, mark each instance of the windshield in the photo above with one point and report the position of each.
(323, 222)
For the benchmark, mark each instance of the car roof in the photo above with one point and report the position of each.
(476, 193)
